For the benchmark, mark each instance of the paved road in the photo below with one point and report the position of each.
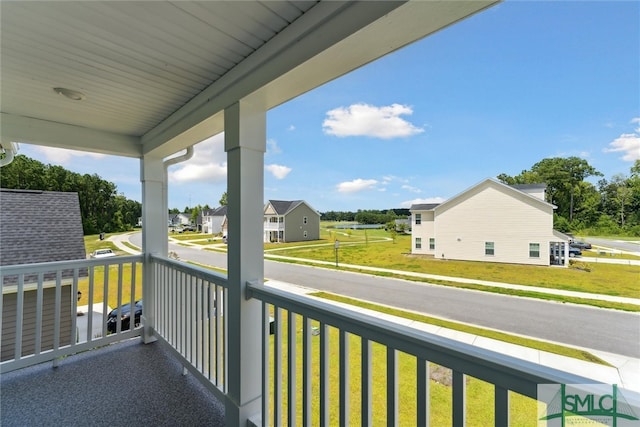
(598, 329)
(620, 245)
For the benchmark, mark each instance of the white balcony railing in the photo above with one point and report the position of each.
(273, 226)
(321, 364)
(189, 308)
(316, 383)
(40, 315)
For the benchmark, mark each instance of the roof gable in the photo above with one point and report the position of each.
(283, 207)
(40, 226)
(490, 182)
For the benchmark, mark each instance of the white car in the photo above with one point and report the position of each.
(102, 253)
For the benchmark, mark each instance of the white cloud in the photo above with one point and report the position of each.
(272, 147)
(291, 128)
(408, 203)
(62, 156)
(279, 171)
(627, 143)
(411, 189)
(356, 185)
(368, 120)
(208, 164)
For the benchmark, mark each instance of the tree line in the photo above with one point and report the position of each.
(609, 207)
(371, 216)
(101, 207)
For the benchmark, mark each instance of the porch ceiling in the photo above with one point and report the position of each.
(156, 75)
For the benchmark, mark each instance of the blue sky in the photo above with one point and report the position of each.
(493, 94)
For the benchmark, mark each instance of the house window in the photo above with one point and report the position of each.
(418, 242)
(304, 219)
(534, 250)
(418, 219)
(432, 243)
(489, 248)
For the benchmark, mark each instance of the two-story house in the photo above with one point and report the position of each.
(290, 221)
(210, 221)
(492, 222)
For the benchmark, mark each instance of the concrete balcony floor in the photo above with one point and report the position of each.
(128, 383)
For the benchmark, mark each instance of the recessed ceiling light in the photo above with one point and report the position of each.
(69, 93)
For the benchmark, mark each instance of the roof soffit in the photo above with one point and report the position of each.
(158, 80)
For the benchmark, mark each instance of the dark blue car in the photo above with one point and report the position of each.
(125, 316)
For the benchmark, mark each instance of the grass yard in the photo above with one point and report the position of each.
(594, 253)
(93, 242)
(188, 235)
(479, 394)
(111, 296)
(608, 279)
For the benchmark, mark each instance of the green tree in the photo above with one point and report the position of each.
(195, 213)
(223, 199)
(563, 176)
(391, 229)
(102, 209)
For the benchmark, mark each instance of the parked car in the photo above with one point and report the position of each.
(102, 253)
(189, 228)
(125, 316)
(580, 245)
(573, 251)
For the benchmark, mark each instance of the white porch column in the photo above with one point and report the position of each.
(245, 144)
(154, 231)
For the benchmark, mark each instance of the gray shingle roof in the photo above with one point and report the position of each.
(221, 211)
(283, 206)
(40, 226)
(423, 206)
(522, 187)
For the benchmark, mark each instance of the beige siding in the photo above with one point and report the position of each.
(493, 213)
(295, 227)
(9, 310)
(424, 231)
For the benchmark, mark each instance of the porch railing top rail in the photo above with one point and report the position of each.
(44, 267)
(502, 370)
(192, 270)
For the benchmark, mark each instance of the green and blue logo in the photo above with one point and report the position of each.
(578, 405)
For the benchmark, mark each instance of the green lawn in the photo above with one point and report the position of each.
(608, 279)
(594, 253)
(479, 394)
(112, 287)
(93, 242)
(188, 235)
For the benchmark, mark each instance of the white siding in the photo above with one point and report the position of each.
(425, 230)
(493, 213)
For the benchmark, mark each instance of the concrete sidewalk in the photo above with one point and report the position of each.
(625, 371)
(118, 240)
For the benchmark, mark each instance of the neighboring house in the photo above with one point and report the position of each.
(493, 222)
(211, 220)
(290, 221)
(36, 227)
(179, 219)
